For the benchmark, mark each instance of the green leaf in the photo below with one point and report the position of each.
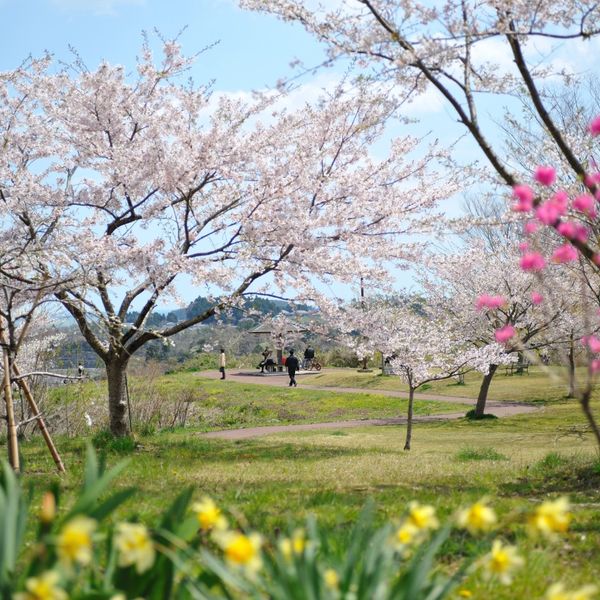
(108, 506)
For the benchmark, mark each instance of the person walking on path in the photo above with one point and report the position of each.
(292, 365)
(222, 363)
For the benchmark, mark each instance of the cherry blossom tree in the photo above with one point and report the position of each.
(422, 344)
(507, 299)
(141, 180)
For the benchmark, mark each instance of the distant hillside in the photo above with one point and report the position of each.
(253, 310)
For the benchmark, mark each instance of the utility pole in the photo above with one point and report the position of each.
(364, 308)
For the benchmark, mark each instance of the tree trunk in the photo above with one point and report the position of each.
(116, 373)
(483, 391)
(11, 428)
(571, 370)
(409, 420)
(587, 411)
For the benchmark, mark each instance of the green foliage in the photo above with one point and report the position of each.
(467, 454)
(13, 519)
(551, 462)
(339, 357)
(105, 440)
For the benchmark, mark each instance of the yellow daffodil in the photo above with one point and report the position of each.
(43, 587)
(502, 561)
(135, 546)
(331, 578)
(209, 515)
(465, 593)
(558, 592)
(422, 516)
(587, 592)
(406, 534)
(74, 542)
(551, 517)
(241, 550)
(476, 518)
(294, 545)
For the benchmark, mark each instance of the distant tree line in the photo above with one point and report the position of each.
(252, 310)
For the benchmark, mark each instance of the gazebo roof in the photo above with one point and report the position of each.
(268, 328)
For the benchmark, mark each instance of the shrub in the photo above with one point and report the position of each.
(467, 454)
(474, 417)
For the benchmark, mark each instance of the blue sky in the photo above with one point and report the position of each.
(253, 50)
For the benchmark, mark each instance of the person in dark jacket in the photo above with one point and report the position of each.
(309, 355)
(292, 365)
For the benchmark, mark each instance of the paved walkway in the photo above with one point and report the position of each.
(499, 409)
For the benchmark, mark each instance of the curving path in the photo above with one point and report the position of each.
(499, 409)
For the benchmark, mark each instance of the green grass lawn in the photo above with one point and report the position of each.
(535, 387)
(227, 404)
(279, 479)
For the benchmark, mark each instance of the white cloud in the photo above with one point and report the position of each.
(306, 93)
(428, 102)
(96, 7)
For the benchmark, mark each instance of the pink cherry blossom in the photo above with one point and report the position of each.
(573, 231)
(533, 261)
(548, 212)
(591, 179)
(536, 298)
(523, 246)
(565, 253)
(561, 199)
(585, 204)
(505, 333)
(567, 229)
(582, 233)
(593, 344)
(595, 365)
(491, 302)
(530, 227)
(524, 195)
(595, 126)
(545, 175)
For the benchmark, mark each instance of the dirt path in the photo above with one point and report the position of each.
(499, 409)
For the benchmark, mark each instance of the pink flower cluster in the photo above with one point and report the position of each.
(533, 262)
(504, 334)
(551, 211)
(491, 302)
(593, 343)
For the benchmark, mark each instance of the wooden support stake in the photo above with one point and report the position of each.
(41, 424)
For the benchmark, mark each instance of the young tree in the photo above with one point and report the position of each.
(507, 298)
(422, 345)
(148, 180)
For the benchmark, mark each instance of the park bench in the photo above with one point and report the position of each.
(517, 368)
